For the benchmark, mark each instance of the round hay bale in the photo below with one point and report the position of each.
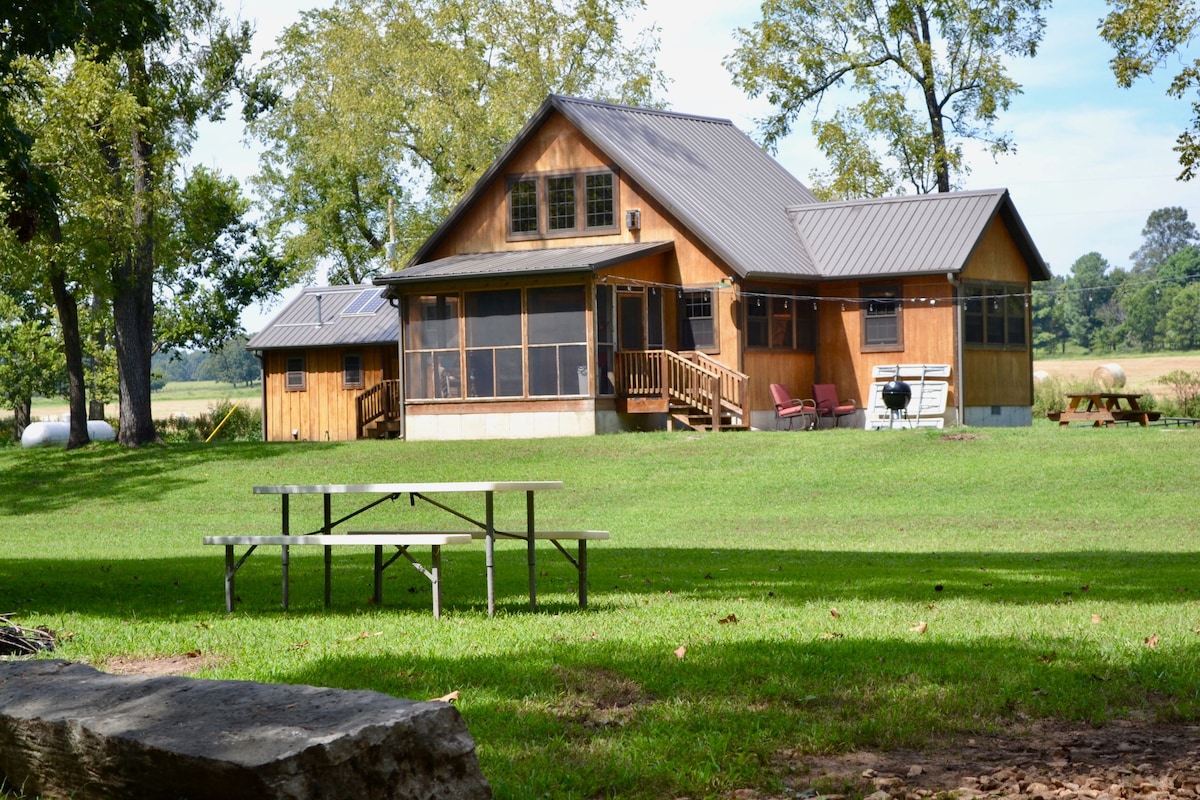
(1109, 376)
(1041, 376)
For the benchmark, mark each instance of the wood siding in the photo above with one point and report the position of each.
(994, 377)
(325, 410)
(927, 318)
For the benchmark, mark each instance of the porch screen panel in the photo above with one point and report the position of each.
(557, 330)
(433, 359)
(605, 340)
(654, 319)
(494, 360)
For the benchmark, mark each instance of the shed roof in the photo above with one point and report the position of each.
(708, 174)
(525, 262)
(908, 235)
(331, 316)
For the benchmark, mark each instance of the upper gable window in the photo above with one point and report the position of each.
(562, 204)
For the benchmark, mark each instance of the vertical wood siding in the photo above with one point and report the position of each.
(325, 410)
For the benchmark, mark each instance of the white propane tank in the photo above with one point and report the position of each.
(44, 434)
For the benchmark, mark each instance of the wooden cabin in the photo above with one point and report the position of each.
(329, 360)
(621, 268)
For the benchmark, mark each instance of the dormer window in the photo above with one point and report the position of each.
(560, 204)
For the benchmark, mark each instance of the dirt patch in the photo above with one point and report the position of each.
(1141, 373)
(185, 664)
(1125, 760)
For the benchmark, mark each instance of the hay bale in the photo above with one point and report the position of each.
(1109, 376)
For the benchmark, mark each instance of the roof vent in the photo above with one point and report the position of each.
(320, 321)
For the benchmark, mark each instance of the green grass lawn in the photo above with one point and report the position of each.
(1044, 563)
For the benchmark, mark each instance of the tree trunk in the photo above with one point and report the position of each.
(22, 411)
(937, 123)
(68, 318)
(133, 288)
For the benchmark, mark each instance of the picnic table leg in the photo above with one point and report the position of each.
(230, 571)
(490, 560)
(531, 551)
(435, 577)
(284, 559)
(328, 550)
(378, 575)
(583, 573)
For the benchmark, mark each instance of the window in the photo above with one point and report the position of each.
(494, 358)
(352, 371)
(433, 362)
(557, 331)
(580, 203)
(560, 203)
(780, 323)
(297, 376)
(994, 315)
(523, 206)
(698, 324)
(598, 197)
(881, 324)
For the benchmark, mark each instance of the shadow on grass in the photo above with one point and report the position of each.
(599, 718)
(154, 588)
(44, 480)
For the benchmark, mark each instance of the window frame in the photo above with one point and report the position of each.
(348, 381)
(687, 331)
(300, 370)
(997, 300)
(890, 294)
(582, 213)
(800, 320)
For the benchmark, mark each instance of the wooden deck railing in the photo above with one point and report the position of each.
(690, 379)
(381, 400)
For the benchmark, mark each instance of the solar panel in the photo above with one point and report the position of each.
(368, 302)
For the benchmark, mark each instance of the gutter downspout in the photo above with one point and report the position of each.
(262, 411)
(398, 305)
(956, 285)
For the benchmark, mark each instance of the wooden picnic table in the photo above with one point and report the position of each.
(1105, 409)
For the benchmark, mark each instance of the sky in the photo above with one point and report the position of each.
(1092, 160)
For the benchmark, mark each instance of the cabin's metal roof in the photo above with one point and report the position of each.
(525, 262)
(329, 316)
(722, 187)
(908, 235)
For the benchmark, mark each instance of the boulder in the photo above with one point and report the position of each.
(67, 730)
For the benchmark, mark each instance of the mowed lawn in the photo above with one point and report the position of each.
(761, 593)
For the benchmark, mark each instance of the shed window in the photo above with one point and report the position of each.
(297, 376)
(881, 319)
(352, 371)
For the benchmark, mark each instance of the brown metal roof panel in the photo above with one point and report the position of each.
(709, 175)
(330, 316)
(525, 262)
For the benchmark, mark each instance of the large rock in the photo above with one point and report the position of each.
(67, 730)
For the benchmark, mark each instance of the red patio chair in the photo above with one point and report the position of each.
(791, 408)
(828, 405)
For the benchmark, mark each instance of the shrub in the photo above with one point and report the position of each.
(243, 425)
(1186, 389)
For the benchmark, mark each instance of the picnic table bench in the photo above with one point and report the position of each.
(481, 528)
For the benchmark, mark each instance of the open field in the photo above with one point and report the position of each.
(1141, 372)
(192, 398)
(769, 604)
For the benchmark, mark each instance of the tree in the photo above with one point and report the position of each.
(410, 100)
(31, 361)
(28, 192)
(944, 57)
(1167, 231)
(1086, 293)
(1183, 319)
(1144, 34)
(232, 363)
(1048, 315)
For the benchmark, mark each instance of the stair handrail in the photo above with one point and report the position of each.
(382, 399)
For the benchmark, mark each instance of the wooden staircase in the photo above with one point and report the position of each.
(694, 390)
(377, 411)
